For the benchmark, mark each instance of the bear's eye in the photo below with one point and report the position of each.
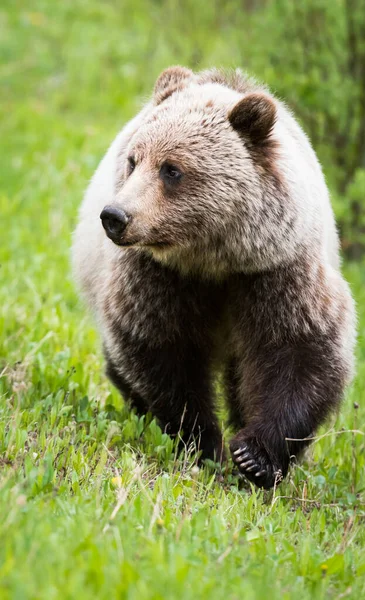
(170, 174)
(131, 164)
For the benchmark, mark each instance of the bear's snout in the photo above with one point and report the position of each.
(114, 221)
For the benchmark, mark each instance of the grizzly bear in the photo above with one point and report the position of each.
(206, 246)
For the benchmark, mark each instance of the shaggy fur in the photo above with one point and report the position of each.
(229, 263)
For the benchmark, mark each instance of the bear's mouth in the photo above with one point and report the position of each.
(138, 244)
(124, 244)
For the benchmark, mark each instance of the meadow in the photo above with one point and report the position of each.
(94, 502)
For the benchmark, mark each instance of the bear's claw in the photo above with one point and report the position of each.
(244, 457)
(254, 463)
(248, 463)
(240, 450)
(260, 473)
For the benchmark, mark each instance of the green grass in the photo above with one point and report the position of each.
(93, 503)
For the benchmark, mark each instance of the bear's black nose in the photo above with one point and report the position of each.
(114, 221)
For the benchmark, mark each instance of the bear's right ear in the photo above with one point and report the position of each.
(171, 80)
(254, 117)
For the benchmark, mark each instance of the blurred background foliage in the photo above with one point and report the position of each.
(87, 63)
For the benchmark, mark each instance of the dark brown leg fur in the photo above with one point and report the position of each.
(291, 372)
(162, 350)
(232, 381)
(176, 390)
(134, 400)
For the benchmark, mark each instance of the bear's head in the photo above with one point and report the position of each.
(198, 185)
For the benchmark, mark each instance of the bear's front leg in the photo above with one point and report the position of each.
(172, 380)
(293, 355)
(159, 344)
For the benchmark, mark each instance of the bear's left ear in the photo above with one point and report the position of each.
(171, 80)
(253, 117)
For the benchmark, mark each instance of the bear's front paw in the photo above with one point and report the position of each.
(254, 463)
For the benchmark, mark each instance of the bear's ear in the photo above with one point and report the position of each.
(253, 117)
(171, 80)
